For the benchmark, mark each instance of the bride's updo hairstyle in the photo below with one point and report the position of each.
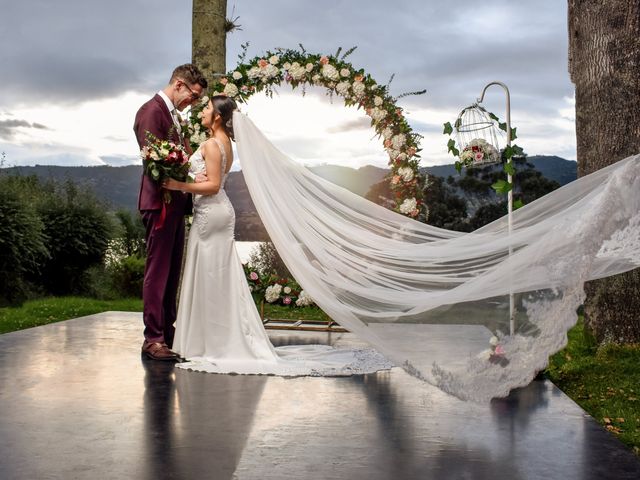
(225, 106)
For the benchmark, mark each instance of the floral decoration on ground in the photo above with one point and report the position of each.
(275, 290)
(299, 68)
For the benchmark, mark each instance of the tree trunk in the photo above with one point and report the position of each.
(209, 37)
(604, 64)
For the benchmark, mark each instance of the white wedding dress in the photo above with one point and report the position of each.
(218, 328)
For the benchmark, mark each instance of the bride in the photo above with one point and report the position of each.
(434, 302)
(218, 328)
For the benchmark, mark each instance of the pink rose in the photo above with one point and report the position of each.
(324, 60)
(253, 276)
(414, 213)
(479, 156)
(263, 63)
(499, 350)
(286, 300)
(172, 157)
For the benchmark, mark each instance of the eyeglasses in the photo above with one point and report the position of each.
(194, 95)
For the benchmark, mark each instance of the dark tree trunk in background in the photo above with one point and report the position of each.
(604, 64)
(209, 37)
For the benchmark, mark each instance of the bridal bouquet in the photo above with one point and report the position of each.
(164, 159)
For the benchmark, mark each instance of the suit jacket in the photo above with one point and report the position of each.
(154, 117)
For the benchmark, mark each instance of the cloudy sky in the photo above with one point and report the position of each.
(74, 72)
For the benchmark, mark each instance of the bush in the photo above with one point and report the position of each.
(22, 242)
(127, 276)
(78, 231)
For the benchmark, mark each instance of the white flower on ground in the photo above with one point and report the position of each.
(304, 299)
(236, 75)
(230, 90)
(272, 293)
(408, 205)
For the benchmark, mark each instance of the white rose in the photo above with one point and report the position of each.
(387, 133)
(316, 79)
(406, 173)
(272, 293)
(304, 299)
(398, 141)
(236, 75)
(154, 155)
(274, 59)
(493, 341)
(287, 290)
(330, 72)
(286, 65)
(345, 72)
(309, 67)
(377, 101)
(296, 71)
(343, 88)
(271, 70)
(378, 114)
(402, 157)
(409, 205)
(358, 89)
(253, 73)
(230, 90)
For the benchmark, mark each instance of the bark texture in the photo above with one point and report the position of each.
(604, 64)
(209, 37)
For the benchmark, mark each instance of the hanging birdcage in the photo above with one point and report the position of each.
(478, 137)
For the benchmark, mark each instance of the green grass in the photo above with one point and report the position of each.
(604, 380)
(55, 309)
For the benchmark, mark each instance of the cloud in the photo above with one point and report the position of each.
(8, 127)
(357, 124)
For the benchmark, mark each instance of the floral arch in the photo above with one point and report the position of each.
(300, 68)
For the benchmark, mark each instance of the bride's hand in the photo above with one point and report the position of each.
(201, 177)
(171, 184)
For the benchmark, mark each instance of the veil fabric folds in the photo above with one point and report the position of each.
(431, 299)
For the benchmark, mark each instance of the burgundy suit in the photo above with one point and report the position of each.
(165, 244)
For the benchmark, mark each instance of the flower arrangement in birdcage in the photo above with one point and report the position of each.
(479, 152)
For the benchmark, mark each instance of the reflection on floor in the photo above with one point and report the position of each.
(79, 402)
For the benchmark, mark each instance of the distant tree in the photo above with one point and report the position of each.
(604, 63)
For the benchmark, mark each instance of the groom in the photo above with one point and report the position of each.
(164, 224)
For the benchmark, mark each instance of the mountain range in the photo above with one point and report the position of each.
(118, 186)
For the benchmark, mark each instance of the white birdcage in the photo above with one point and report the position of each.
(478, 137)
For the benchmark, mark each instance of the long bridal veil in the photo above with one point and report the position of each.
(436, 302)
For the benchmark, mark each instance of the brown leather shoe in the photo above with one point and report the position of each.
(159, 351)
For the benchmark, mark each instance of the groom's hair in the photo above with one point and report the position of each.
(190, 74)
